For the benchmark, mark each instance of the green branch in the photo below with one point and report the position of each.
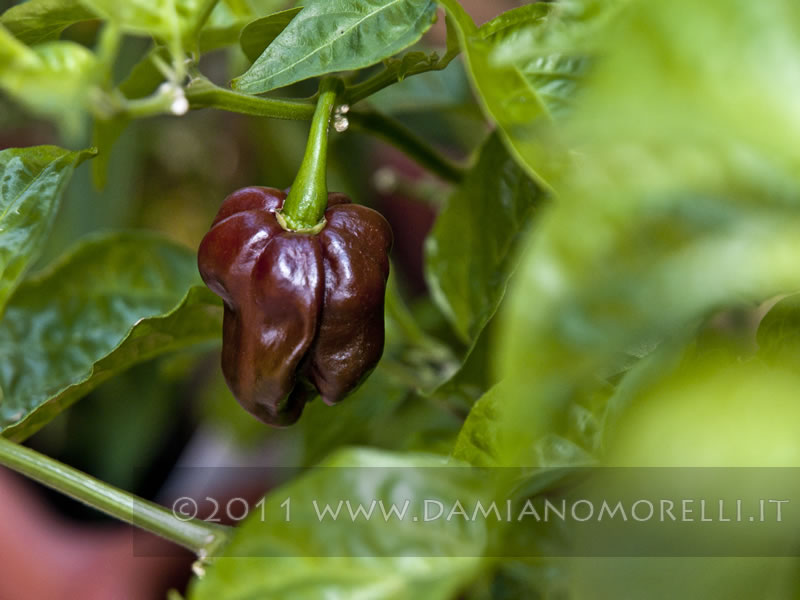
(201, 93)
(405, 140)
(200, 537)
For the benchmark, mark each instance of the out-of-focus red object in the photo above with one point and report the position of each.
(45, 557)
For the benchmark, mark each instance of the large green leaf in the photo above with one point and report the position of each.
(33, 181)
(526, 67)
(676, 103)
(37, 21)
(52, 79)
(470, 254)
(505, 93)
(366, 558)
(337, 35)
(672, 212)
(594, 284)
(114, 301)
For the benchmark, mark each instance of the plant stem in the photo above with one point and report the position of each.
(107, 49)
(198, 536)
(408, 142)
(304, 207)
(149, 106)
(201, 93)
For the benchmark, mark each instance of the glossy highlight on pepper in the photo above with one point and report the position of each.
(303, 312)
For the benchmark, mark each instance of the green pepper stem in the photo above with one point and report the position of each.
(304, 207)
(200, 537)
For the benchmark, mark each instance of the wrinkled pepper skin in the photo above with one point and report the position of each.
(302, 311)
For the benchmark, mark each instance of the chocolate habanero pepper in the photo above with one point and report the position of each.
(298, 306)
(303, 278)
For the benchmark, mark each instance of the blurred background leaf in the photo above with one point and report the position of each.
(52, 79)
(471, 251)
(37, 21)
(666, 217)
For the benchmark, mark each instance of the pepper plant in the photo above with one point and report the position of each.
(609, 277)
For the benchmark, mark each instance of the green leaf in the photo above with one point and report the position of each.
(337, 35)
(522, 91)
(471, 252)
(37, 21)
(486, 440)
(262, 32)
(376, 558)
(477, 441)
(114, 301)
(596, 282)
(411, 63)
(33, 181)
(505, 94)
(745, 125)
(52, 79)
(669, 212)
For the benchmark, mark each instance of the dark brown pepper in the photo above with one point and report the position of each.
(301, 310)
